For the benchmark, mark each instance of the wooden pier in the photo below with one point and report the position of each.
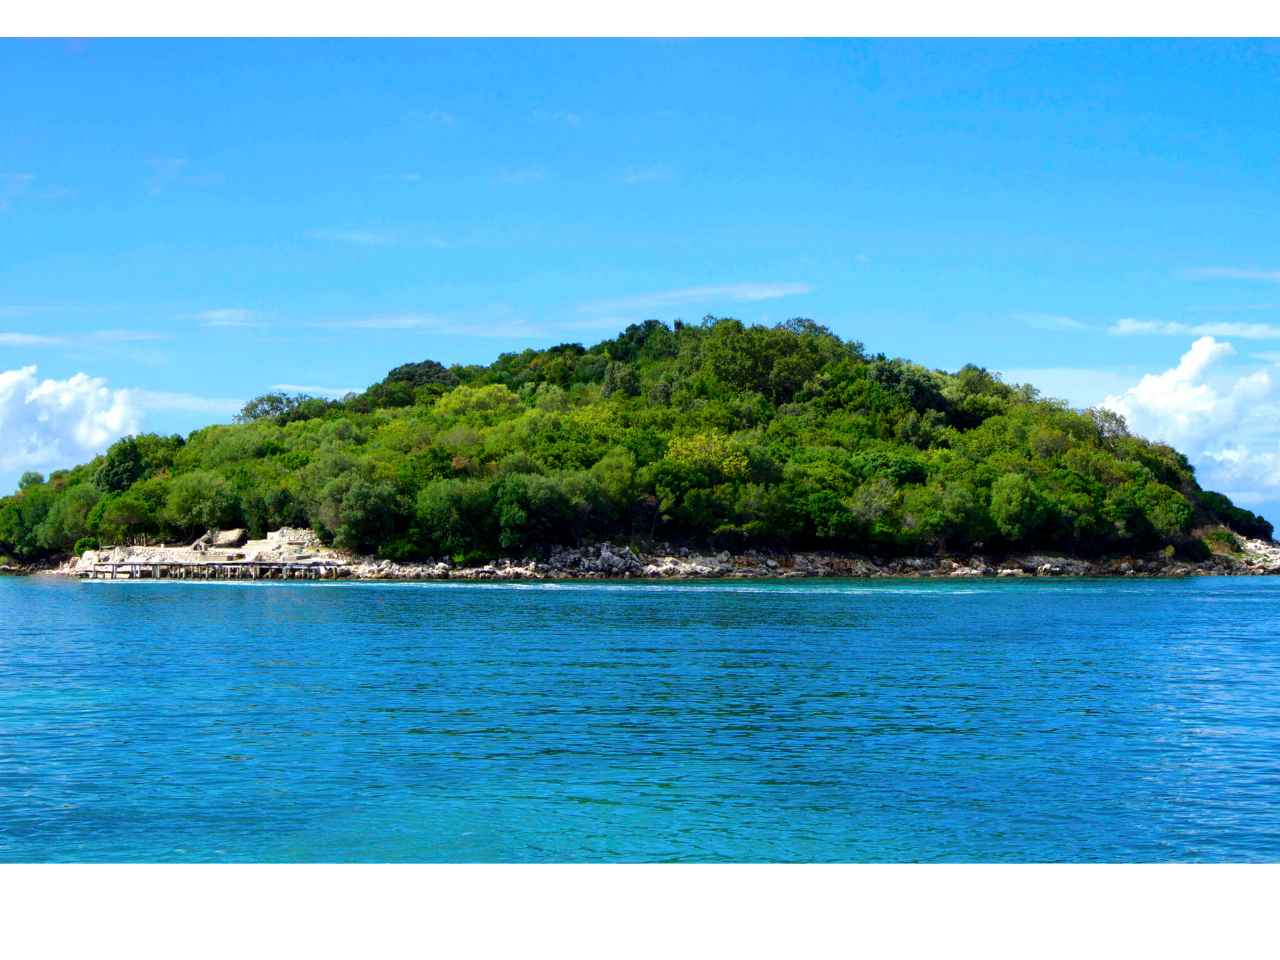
(215, 570)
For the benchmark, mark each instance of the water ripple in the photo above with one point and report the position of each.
(1064, 720)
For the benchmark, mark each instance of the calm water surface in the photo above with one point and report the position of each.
(803, 721)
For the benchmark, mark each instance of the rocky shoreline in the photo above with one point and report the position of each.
(602, 561)
(607, 561)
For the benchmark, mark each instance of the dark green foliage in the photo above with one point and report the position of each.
(719, 432)
(123, 465)
(367, 516)
(83, 544)
(421, 374)
(620, 378)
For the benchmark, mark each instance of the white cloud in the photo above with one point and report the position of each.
(640, 178)
(1129, 326)
(1049, 321)
(220, 318)
(30, 340)
(155, 400)
(1218, 427)
(440, 116)
(10, 339)
(1233, 273)
(1245, 477)
(734, 292)
(1245, 331)
(1181, 408)
(319, 391)
(57, 423)
(356, 235)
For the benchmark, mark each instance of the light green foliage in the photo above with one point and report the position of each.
(709, 452)
(718, 431)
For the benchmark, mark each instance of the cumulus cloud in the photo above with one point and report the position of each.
(55, 423)
(1228, 428)
(1181, 408)
(1244, 476)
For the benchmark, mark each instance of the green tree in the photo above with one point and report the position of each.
(530, 509)
(455, 515)
(621, 378)
(68, 517)
(123, 517)
(368, 515)
(200, 500)
(1016, 507)
(123, 465)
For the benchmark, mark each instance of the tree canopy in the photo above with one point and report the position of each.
(716, 432)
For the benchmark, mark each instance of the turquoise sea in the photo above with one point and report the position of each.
(906, 720)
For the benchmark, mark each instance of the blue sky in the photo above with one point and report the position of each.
(185, 225)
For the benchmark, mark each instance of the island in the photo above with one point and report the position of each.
(690, 449)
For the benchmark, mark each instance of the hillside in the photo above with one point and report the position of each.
(716, 433)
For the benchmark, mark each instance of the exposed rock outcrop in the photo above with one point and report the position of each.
(600, 561)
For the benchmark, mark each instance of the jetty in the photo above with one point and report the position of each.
(215, 570)
(285, 554)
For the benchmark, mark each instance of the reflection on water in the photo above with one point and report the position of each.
(898, 720)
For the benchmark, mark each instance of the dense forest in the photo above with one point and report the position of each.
(714, 433)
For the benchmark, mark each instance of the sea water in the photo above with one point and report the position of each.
(820, 720)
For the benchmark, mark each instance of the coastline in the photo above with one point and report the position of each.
(605, 561)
